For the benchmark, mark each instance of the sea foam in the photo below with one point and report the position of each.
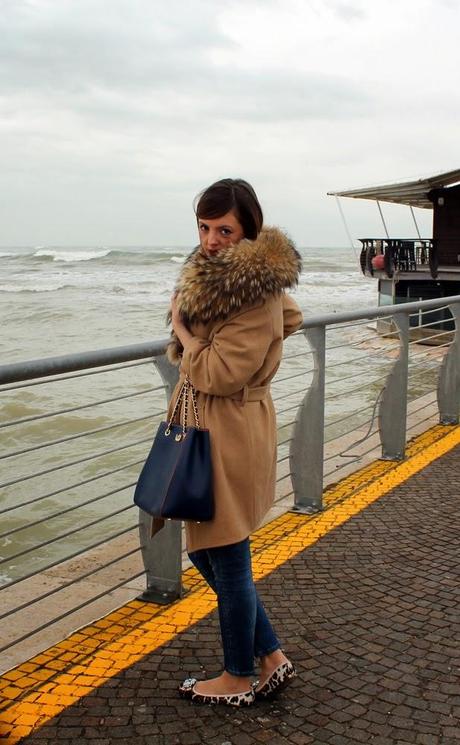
(72, 255)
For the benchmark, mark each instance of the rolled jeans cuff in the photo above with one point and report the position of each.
(264, 652)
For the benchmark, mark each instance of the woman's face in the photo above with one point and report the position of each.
(219, 232)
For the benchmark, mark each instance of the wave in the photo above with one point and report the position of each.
(51, 287)
(67, 255)
(334, 278)
(105, 255)
(139, 288)
(148, 256)
(335, 267)
(138, 255)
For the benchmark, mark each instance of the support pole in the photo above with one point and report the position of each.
(307, 445)
(383, 221)
(162, 552)
(415, 222)
(393, 406)
(449, 376)
(345, 225)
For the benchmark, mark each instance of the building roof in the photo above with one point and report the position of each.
(412, 193)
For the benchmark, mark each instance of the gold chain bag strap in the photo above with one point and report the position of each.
(183, 395)
(176, 480)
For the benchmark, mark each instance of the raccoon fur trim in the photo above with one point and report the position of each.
(216, 287)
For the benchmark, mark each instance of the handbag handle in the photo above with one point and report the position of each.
(184, 390)
(190, 389)
(174, 411)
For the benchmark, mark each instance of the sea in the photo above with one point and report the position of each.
(71, 450)
(56, 299)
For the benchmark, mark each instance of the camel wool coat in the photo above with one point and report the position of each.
(234, 304)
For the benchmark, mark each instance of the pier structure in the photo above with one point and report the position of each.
(357, 563)
(419, 267)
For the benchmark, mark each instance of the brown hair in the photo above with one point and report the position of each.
(232, 194)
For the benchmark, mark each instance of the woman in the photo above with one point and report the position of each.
(229, 316)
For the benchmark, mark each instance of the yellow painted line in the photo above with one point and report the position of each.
(105, 648)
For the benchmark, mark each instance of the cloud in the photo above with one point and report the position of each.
(114, 68)
(73, 46)
(347, 11)
(103, 105)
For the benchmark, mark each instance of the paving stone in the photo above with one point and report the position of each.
(369, 614)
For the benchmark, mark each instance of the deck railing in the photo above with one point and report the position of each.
(69, 461)
(398, 254)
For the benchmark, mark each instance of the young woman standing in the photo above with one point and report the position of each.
(230, 315)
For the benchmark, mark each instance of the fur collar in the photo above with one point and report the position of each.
(213, 288)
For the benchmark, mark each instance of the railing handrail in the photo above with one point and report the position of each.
(381, 311)
(49, 366)
(16, 372)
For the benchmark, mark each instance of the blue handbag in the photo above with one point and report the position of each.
(176, 480)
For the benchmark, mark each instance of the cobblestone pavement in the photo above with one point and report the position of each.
(370, 616)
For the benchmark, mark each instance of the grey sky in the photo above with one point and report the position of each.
(113, 115)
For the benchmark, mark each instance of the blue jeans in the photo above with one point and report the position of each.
(245, 629)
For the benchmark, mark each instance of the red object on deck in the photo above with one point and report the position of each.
(378, 261)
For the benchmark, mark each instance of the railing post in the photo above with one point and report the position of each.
(393, 406)
(449, 376)
(307, 445)
(162, 552)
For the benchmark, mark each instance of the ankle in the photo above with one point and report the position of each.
(236, 682)
(224, 684)
(270, 662)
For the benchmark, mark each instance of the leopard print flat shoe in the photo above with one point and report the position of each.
(279, 679)
(229, 699)
(186, 690)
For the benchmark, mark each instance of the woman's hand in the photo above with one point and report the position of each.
(175, 316)
(179, 327)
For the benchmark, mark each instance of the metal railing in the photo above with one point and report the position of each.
(398, 254)
(70, 456)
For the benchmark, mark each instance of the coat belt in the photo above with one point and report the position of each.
(257, 393)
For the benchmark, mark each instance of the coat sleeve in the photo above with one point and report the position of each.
(292, 315)
(225, 364)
